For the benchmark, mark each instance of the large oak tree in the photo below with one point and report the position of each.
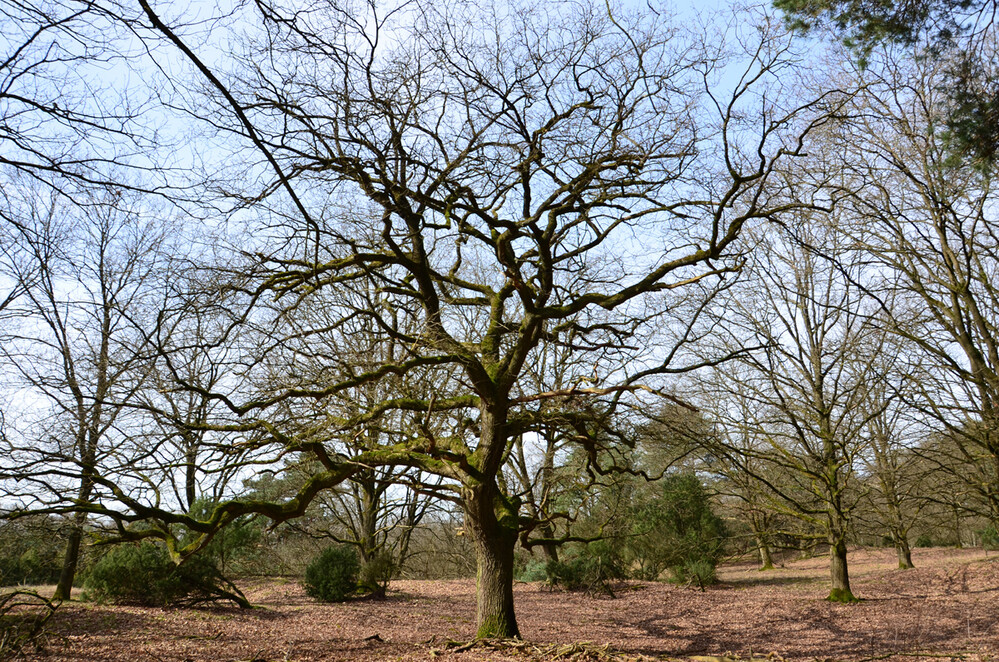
(501, 178)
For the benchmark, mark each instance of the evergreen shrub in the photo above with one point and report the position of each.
(332, 576)
(144, 574)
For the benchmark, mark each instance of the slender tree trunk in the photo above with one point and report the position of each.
(414, 513)
(71, 559)
(547, 473)
(492, 522)
(898, 531)
(758, 524)
(190, 473)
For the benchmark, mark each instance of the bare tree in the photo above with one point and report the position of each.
(893, 483)
(927, 217)
(498, 181)
(71, 116)
(87, 273)
(807, 387)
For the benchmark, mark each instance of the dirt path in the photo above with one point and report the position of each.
(948, 605)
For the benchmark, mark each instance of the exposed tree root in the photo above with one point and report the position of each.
(574, 652)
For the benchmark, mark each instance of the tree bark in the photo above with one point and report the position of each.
(839, 571)
(904, 553)
(492, 523)
(766, 559)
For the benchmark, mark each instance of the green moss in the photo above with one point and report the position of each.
(842, 595)
(497, 627)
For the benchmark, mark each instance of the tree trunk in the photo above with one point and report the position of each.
(190, 473)
(492, 523)
(839, 572)
(369, 517)
(64, 589)
(550, 550)
(904, 553)
(766, 559)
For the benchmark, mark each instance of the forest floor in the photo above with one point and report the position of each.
(946, 608)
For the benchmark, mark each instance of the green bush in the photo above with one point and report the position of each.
(233, 549)
(589, 570)
(696, 571)
(533, 571)
(677, 531)
(924, 541)
(31, 551)
(990, 537)
(144, 574)
(332, 576)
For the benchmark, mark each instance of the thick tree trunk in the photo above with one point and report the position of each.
(492, 523)
(904, 553)
(839, 572)
(369, 519)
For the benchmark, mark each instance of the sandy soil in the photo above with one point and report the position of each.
(948, 607)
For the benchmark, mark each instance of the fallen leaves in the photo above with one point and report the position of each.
(947, 606)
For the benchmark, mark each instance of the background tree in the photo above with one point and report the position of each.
(87, 273)
(926, 218)
(806, 388)
(893, 483)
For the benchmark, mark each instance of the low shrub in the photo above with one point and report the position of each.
(31, 551)
(332, 576)
(677, 531)
(694, 571)
(534, 570)
(144, 574)
(990, 537)
(589, 570)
